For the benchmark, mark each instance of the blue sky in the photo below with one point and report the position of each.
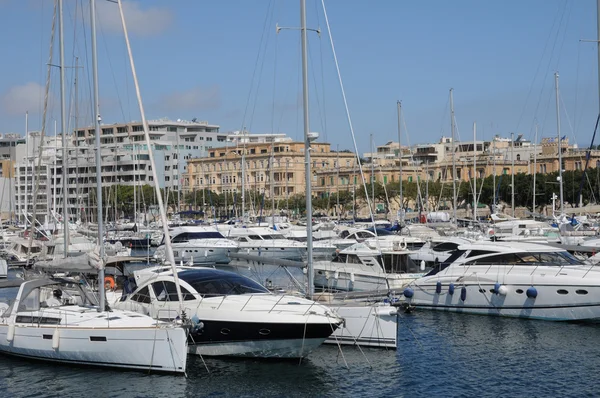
(222, 61)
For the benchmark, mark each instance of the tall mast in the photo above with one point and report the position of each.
(54, 173)
(178, 176)
(243, 183)
(372, 175)
(26, 206)
(96, 116)
(535, 165)
(272, 190)
(494, 174)
(63, 126)
(474, 171)
(309, 243)
(453, 127)
(77, 211)
(562, 210)
(399, 105)
(512, 183)
(163, 214)
(337, 183)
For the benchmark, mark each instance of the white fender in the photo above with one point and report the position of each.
(55, 339)
(10, 336)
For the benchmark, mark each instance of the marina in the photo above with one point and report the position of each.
(160, 257)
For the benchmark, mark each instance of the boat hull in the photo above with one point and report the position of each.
(366, 325)
(259, 340)
(157, 349)
(553, 302)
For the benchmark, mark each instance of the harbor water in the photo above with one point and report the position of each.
(439, 354)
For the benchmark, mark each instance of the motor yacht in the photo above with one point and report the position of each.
(512, 279)
(234, 316)
(437, 250)
(198, 246)
(363, 268)
(262, 241)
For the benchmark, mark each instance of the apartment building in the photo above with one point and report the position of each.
(272, 164)
(125, 161)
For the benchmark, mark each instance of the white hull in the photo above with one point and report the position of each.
(281, 252)
(371, 326)
(356, 281)
(156, 349)
(549, 305)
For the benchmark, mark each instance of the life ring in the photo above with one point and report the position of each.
(109, 282)
(403, 244)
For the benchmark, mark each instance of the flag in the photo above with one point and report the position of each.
(563, 137)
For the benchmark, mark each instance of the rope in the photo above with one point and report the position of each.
(338, 344)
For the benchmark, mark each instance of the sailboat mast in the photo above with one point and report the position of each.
(452, 128)
(337, 183)
(372, 175)
(54, 172)
(96, 116)
(26, 205)
(271, 177)
(560, 183)
(163, 214)
(77, 210)
(474, 171)
(535, 165)
(512, 177)
(309, 243)
(399, 105)
(494, 174)
(63, 126)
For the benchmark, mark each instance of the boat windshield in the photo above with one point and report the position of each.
(214, 283)
(187, 236)
(527, 258)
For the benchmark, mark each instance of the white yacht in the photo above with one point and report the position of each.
(516, 230)
(262, 241)
(198, 245)
(232, 314)
(437, 250)
(362, 268)
(19, 248)
(58, 321)
(524, 280)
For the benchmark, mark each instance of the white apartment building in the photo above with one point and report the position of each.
(125, 161)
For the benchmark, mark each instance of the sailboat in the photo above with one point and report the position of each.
(57, 320)
(366, 323)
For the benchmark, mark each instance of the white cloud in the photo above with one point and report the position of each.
(142, 22)
(27, 97)
(194, 99)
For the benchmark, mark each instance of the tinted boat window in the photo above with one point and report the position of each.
(211, 283)
(167, 291)
(142, 296)
(186, 236)
(444, 247)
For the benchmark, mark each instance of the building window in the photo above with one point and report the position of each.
(518, 157)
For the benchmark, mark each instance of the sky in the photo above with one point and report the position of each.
(224, 62)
